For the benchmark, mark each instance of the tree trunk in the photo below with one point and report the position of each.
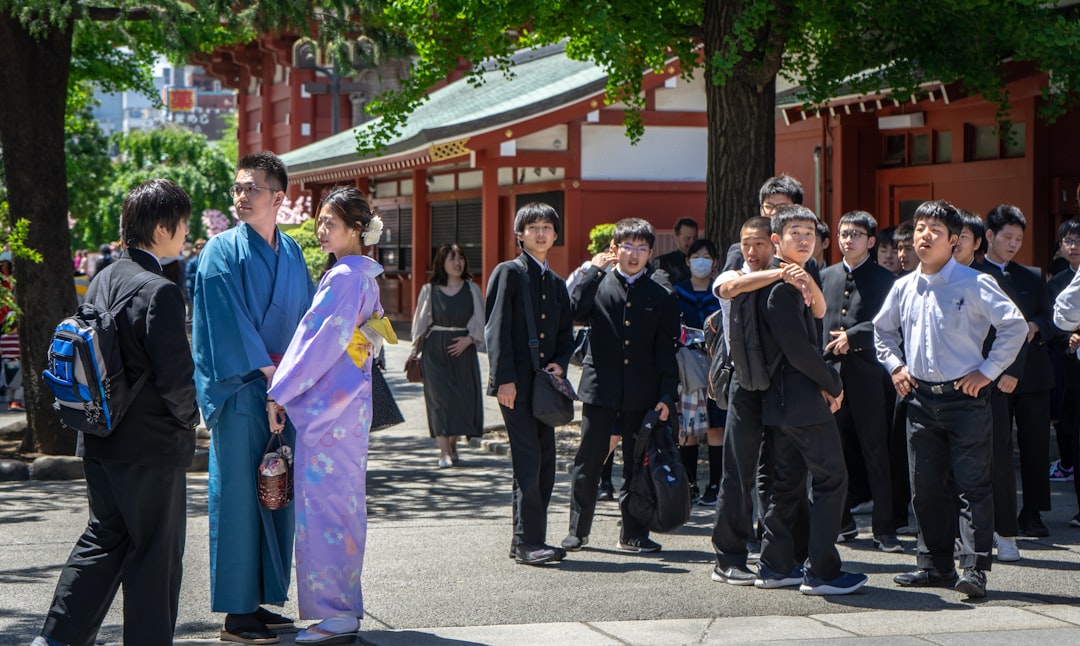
(34, 79)
(741, 126)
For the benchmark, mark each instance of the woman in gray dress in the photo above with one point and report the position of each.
(447, 331)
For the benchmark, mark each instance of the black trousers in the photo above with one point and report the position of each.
(797, 451)
(532, 454)
(1031, 410)
(862, 415)
(951, 430)
(135, 539)
(597, 424)
(898, 460)
(747, 459)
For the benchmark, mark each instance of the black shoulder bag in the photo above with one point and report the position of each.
(552, 396)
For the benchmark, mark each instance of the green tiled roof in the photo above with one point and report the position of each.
(543, 79)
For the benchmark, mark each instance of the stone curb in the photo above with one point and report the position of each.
(503, 448)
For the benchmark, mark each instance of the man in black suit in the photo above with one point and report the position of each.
(135, 477)
(630, 369)
(1024, 391)
(510, 379)
(854, 291)
(803, 394)
(671, 268)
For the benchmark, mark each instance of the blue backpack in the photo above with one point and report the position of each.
(86, 371)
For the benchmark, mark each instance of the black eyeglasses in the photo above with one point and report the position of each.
(1070, 242)
(851, 235)
(236, 189)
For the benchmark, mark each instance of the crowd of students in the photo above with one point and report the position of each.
(896, 378)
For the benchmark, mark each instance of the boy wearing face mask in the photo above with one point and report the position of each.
(704, 418)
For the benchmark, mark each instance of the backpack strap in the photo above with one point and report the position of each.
(128, 292)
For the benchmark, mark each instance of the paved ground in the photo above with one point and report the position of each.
(437, 572)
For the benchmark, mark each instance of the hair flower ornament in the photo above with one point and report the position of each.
(374, 231)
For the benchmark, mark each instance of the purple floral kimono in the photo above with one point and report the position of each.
(324, 383)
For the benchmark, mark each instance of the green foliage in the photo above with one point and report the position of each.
(171, 153)
(89, 169)
(229, 144)
(314, 256)
(600, 237)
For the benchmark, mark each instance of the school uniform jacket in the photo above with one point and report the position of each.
(631, 362)
(853, 299)
(1027, 289)
(788, 328)
(158, 427)
(506, 333)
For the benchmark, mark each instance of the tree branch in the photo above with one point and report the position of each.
(105, 14)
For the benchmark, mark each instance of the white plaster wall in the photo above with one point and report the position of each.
(544, 139)
(687, 96)
(664, 153)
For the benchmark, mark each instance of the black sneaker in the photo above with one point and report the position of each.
(972, 583)
(733, 575)
(769, 579)
(607, 491)
(534, 554)
(888, 543)
(1075, 522)
(695, 494)
(574, 543)
(639, 544)
(848, 533)
(1031, 525)
(708, 498)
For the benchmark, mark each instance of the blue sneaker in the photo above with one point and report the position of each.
(768, 579)
(846, 583)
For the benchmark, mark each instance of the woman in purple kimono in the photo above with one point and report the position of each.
(324, 384)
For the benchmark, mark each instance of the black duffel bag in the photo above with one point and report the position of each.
(659, 493)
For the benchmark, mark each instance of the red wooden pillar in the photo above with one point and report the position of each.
(421, 231)
(491, 218)
(266, 93)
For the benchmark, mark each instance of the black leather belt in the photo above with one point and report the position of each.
(939, 388)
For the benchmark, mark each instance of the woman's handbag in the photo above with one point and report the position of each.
(274, 475)
(414, 370)
(384, 410)
(581, 346)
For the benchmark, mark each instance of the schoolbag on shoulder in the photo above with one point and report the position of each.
(86, 373)
(659, 493)
(720, 367)
(746, 350)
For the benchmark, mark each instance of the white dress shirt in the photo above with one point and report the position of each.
(1067, 306)
(942, 320)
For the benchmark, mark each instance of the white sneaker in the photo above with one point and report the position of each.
(1007, 551)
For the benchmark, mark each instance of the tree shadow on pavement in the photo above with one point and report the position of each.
(410, 638)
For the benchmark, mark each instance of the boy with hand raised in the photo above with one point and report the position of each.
(798, 414)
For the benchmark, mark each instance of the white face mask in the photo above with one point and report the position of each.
(701, 267)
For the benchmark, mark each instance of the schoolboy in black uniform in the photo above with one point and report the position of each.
(854, 291)
(532, 444)
(803, 395)
(1024, 391)
(630, 369)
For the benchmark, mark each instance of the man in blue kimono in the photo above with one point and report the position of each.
(251, 289)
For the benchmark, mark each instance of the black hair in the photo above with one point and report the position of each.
(1069, 227)
(781, 185)
(685, 222)
(975, 223)
(633, 228)
(886, 238)
(154, 202)
(759, 222)
(268, 163)
(348, 203)
(789, 214)
(438, 264)
(536, 212)
(860, 219)
(1003, 215)
(822, 231)
(702, 243)
(942, 211)
(904, 232)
